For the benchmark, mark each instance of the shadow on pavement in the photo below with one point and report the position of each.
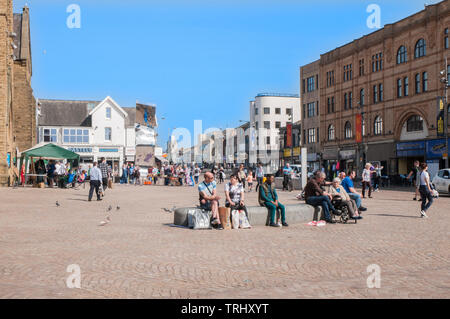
(388, 215)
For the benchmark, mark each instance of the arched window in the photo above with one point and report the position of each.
(331, 133)
(348, 130)
(421, 49)
(378, 126)
(402, 55)
(414, 124)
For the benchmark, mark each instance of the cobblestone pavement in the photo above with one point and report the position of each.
(139, 255)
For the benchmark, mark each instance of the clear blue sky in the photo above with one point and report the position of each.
(196, 59)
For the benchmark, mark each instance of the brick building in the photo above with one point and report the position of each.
(310, 89)
(389, 82)
(17, 104)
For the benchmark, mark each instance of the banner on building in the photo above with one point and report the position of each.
(440, 117)
(289, 135)
(144, 124)
(358, 128)
(145, 156)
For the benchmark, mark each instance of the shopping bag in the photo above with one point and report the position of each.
(243, 220)
(110, 184)
(199, 219)
(235, 219)
(224, 215)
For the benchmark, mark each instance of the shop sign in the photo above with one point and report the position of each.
(347, 154)
(436, 148)
(330, 154)
(409, 149)
(80, 149)
(108, 150)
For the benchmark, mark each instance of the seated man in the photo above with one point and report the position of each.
(208, 198)
(316, 196)
(268, 198)
(337, 190)
(347, 183)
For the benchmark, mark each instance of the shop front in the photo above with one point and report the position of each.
(347, 161)
(383, 155)
(330, 157)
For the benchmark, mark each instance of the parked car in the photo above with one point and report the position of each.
(442, 181)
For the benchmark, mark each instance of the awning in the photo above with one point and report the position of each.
(161, 159)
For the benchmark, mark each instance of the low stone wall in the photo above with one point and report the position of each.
(258, 216)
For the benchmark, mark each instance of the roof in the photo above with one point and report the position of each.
(131, 118)
(278, 95)
(50, 151)
(66, 113)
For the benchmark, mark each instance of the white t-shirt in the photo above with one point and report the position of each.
(424, 176)
(235, 191)
(366, 175)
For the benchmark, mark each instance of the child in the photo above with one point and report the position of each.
(250, 180)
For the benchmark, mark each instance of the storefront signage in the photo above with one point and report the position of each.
(409, 149)
(130, 151)
(80, 149)
(108, 150)
(348, 154)
(436, 149)
(330, 154)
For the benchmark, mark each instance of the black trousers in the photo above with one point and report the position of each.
(238, 207)
(105, 183)
(94, 185)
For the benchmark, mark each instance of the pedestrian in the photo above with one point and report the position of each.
(242, 176)
(287, 178)
(425, 190)
(103, 166)
(197, 172)
(377, 177)
(366, 178)
(95, 182)
(259, 176)
(250, 180)
(124, 178)
(415, 178)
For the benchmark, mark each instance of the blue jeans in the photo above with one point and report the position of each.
(323, 201)
(356, 198)
(425, 195)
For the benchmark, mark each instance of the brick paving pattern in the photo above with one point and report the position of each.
(138, 255)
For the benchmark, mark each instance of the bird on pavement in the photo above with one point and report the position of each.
(118, 207)
(109, 208)
(57, 204)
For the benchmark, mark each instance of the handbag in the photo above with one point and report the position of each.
(199, 219)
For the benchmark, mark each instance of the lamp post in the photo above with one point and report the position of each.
(444, 80)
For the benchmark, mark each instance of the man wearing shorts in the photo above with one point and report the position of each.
(209, 200)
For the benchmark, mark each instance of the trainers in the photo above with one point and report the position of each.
(214, 221)
(285, 224)
(330, 221)
(357, 217)
(220, 227)
(274, 225)
(423, 214)
(414, 198)
(363, 209)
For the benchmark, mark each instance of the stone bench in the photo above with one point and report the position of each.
(259, 216)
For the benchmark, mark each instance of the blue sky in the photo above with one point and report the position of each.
(195, 59)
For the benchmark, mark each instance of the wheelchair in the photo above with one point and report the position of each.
(342, 214)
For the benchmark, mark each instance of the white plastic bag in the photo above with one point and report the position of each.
(235, 219)
(198, 219)
(243, 220)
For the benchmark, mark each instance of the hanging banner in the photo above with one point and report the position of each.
(358, 128)
(440, 117)
(289, 135)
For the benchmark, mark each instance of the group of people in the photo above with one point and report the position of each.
(130, 174)
(179, 175)
(235, 197)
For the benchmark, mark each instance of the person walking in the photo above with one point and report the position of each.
(197, 172)
(95, 182)
(426, 193)
(366, 180)
(377, 177)
(103, 166)
(287, 175)
(415, 173)
(259, 176)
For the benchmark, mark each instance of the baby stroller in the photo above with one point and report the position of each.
(342, 212)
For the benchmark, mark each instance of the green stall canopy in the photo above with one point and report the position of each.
(50, 151)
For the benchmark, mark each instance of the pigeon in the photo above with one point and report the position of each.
(103, 223)
(118, 207)
(109, 208)
(57, 204)
(169, 210)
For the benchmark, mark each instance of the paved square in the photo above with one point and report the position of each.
(138, 255)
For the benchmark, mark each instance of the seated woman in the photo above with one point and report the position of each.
(82, 178)
(337, 190)
(234, 192)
